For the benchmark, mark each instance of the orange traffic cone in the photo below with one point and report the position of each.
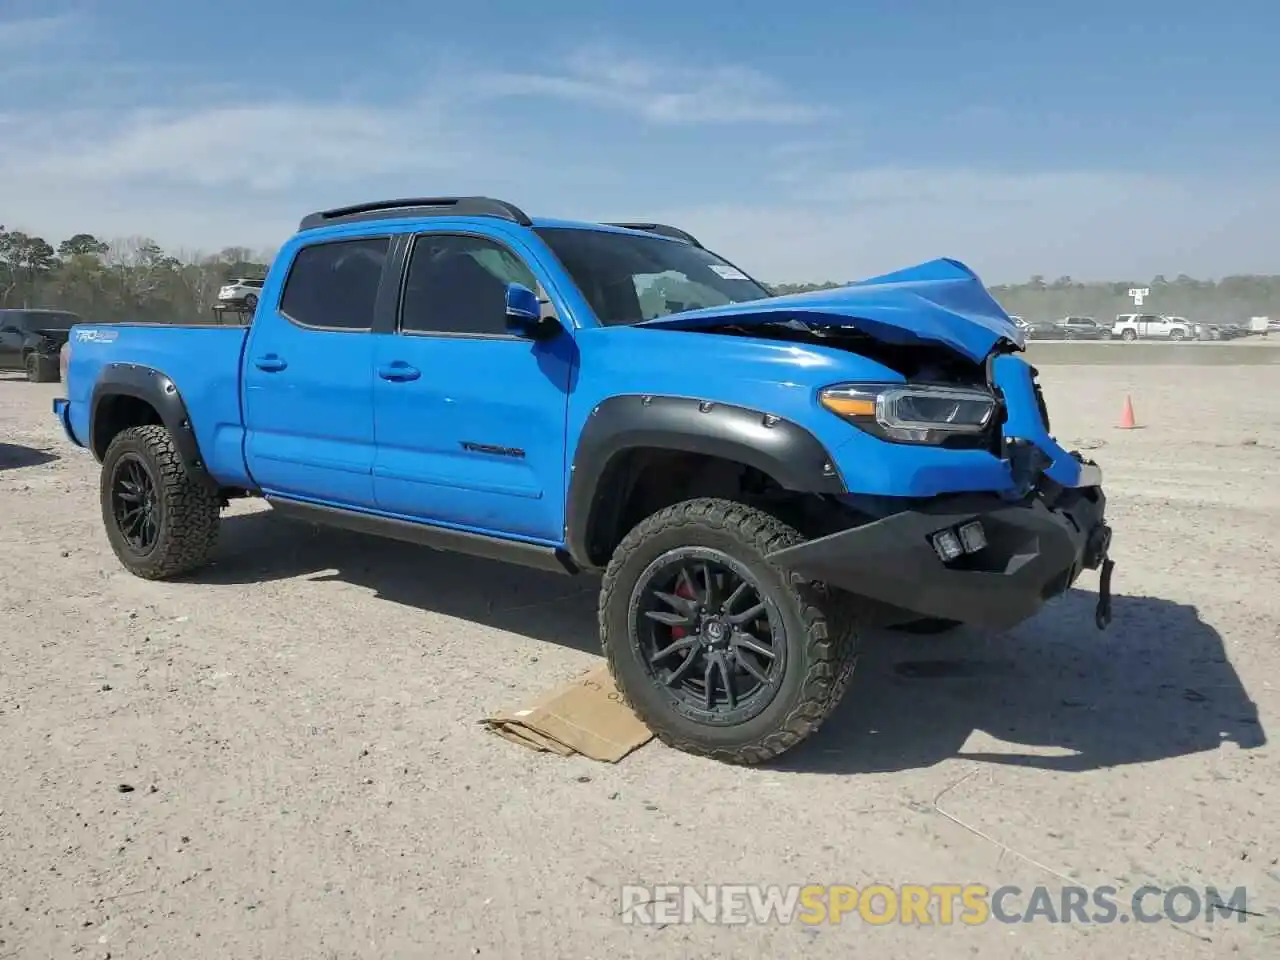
(1127, 421)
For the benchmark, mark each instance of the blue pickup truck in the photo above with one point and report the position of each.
(753, 477)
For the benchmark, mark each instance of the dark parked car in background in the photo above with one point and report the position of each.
(31, 340)
(1213, 330)
(1083, 328)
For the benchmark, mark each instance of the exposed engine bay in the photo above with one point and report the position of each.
(919, 361)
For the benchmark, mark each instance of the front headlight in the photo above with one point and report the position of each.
(911, 413)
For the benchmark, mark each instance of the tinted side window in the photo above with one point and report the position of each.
(335, 284)
(458, 284)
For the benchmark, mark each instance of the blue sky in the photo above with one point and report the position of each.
(803, 140)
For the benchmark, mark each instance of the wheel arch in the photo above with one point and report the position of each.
(625, 435)
(129, 395)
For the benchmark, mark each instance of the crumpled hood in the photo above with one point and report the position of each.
(941, 301)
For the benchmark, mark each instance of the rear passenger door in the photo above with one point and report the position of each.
(470, 418)
(308, 375)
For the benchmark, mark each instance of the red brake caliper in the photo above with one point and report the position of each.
(683, 589)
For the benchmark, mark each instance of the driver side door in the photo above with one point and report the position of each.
(469, 418)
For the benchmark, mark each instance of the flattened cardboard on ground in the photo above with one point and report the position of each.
(585, 716)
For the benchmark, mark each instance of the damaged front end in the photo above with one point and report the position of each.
(992, 517)
(990, 559)
(974, 558)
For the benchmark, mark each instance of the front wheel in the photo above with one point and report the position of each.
(161, 521)
(1177, 335)
(719, 651)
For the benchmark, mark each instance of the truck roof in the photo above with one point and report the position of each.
(414, 208)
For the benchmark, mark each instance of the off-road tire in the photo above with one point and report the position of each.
(820, 631)
(928, 626)
(41, 369)
(189, 510)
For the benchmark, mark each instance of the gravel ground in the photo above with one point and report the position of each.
(299, 729)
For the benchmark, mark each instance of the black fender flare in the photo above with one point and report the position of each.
(784, 450)
(154, 388)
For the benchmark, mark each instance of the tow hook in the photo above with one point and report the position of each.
(1099, 555)
(1102, 616)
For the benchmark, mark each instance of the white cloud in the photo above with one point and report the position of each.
(256, 147)
(658, 92)
(202, 160)
(207, 176)
(213, 166)
(1007, 226)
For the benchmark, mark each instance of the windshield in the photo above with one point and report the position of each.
(630, 278)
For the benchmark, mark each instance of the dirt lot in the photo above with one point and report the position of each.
(299, 725)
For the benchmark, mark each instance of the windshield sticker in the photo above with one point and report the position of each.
(726, 272)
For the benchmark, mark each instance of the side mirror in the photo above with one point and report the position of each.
(524, 314)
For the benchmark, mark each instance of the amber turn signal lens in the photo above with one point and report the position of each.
(850, 406)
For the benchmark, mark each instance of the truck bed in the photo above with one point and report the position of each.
(202, 360)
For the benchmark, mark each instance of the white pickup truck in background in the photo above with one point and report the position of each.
(1149, 326)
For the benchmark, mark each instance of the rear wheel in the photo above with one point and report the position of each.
(1129, 335)
(160, 520)
(720, 652)
(41, 369)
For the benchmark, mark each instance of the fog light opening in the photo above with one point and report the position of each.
(972, 537)
(954, 542)
(947, 545)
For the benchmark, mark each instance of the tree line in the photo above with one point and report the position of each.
(107, 281)
(136, 279)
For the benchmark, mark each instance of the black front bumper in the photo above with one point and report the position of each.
(1036, 549)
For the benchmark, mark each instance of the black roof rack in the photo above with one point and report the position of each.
(418, 207)
(662, 229)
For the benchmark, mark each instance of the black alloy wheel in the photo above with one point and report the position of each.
(135, 504)
(709, 636)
